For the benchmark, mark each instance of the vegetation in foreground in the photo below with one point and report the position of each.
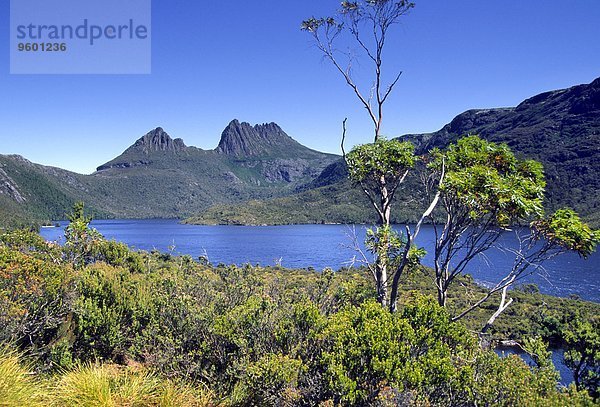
(93, 323)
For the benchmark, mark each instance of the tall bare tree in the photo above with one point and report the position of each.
(367, 24)
(381, 167)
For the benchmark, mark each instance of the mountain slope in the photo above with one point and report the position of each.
(561, 129)
(158, 176)
(32, 193)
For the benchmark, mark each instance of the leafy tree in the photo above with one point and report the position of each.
(484, 189)
(582, 340)
(381, 167)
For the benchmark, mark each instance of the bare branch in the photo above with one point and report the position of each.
(391, 87)
(344, 139)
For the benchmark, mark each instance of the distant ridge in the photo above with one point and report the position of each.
(158, 140)
(559, 128)
(258, 174)
(244, 140)
(160, 177)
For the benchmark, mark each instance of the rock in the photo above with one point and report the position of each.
(244, 140)
(9, 187)
(158, 140)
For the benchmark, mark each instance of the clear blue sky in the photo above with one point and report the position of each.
(213, 61)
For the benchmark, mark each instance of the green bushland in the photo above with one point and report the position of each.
(95, 323)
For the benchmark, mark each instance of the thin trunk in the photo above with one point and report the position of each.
(501, 308)
(381, 283)
(386, 209)
(442, 298)
(396, 281)
(382, 261)
(442, 291)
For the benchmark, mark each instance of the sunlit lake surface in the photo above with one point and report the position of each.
(320, 246)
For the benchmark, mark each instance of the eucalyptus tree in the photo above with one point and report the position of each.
(483, 191)
(379, 168)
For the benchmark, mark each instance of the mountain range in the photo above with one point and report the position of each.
(259, 175)
(161, 177)
(561, 129)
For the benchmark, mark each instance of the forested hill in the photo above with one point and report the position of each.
(160, 177)
(561, 129)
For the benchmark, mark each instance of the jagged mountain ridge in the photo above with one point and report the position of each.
(559, 128)
(244, 140)
(261, 155)
(159, 176)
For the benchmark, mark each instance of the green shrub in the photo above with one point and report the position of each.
(367, 350)
(35, 299)
(270, 381)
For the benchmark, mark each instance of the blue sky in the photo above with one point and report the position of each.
(213, 61)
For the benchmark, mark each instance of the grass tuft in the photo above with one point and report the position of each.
(112, 386)
(18, 387)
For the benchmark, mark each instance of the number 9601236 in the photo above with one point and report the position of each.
(42, 47)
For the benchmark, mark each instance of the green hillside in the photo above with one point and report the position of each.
(561, 129)
(161, 177)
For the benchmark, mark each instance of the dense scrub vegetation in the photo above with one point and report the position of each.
(102, 325)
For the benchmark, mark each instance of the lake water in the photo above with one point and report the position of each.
(566, 375)
(320, 246)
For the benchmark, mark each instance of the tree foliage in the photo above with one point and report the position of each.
(564, 228)
(485, 184)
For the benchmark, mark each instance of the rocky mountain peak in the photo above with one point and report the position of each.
(158, 140)
(243, 139)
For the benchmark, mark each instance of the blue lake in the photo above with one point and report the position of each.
(320, 246)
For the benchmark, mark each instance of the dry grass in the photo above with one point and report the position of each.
(18, 387)
(93, 385)
(110, 385)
